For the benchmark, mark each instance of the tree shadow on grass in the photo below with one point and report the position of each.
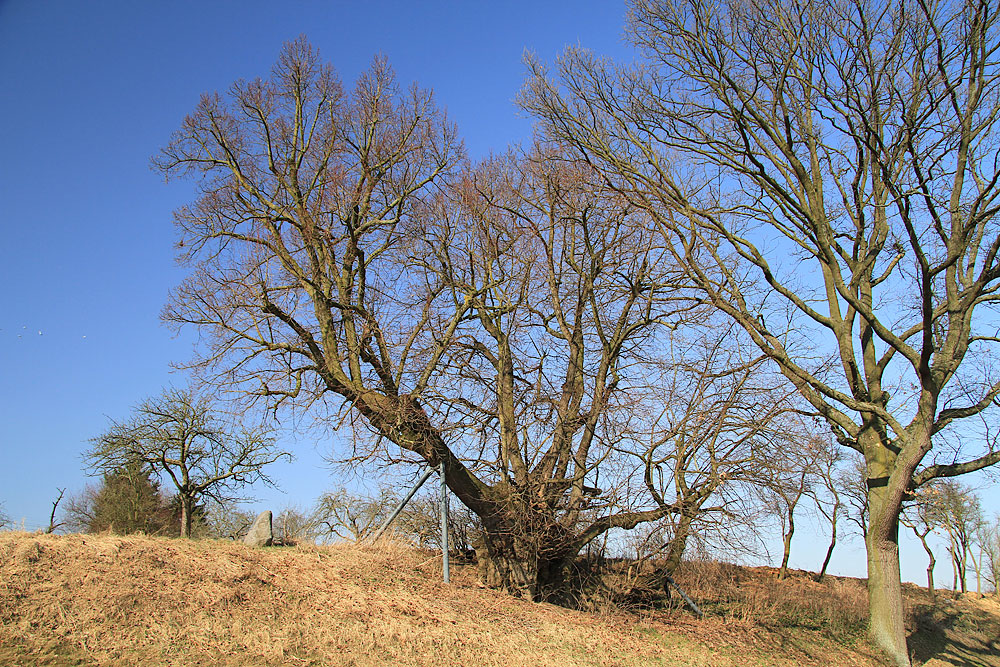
(952, 635)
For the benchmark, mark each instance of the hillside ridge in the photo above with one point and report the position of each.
(137, 600)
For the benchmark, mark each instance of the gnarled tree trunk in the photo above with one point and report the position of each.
(787, 541)
(535, 566)
(675, 551)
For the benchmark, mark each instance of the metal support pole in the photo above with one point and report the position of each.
(444, 526)
(428, 471)
(689, 601)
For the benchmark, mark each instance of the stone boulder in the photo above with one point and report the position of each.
(260, 534)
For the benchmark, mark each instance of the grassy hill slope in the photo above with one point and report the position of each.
(108, 600)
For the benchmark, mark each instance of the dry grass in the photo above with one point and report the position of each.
(945, 629)
(837, 607)
(108, 600)
(952, 628)
(142, 600)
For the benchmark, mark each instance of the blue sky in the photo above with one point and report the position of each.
(91, 90)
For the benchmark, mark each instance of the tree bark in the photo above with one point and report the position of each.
(783, 571)
(187, 505)
(885, 594)
(675, 552)
(523, 566)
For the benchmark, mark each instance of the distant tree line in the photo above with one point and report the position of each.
(130, 499)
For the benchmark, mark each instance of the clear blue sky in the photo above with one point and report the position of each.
(91, 90)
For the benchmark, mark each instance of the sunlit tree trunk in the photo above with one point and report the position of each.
(930, 562)
(885, 595)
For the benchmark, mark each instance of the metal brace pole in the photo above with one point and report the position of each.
(428, 471)
(444, 526)
(689, 601)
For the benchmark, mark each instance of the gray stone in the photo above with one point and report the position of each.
(260, 534)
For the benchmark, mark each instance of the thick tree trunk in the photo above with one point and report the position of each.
(885, 595)
(502, 568)
(524, 566)
(675, 551)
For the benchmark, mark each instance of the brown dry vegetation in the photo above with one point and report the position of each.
(108, 600)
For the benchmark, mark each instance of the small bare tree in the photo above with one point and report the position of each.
(420, 523)
(922, 516)
(721, 422)
(853, 489)
(180, 436)
(78, 512)
(978, 554)
(787, 478)
(348, 516)
(957, 511)
(53, 525)
(827, 496)
(354, 517)
(294, 526)
(227, 520)
(990, 543)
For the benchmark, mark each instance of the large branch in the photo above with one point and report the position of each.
(954, 469)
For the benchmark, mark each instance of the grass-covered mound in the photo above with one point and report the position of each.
(108, 600)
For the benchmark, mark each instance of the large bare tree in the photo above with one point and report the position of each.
(827, 172)
(500, 320)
